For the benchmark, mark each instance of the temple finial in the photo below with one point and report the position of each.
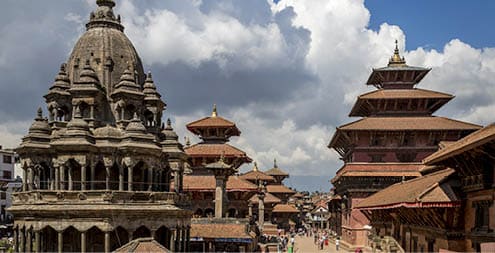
(396, 60)
(255, 168)
(214, 112)
(188, 141)
(39, 113)
(135, 116)
(109, 3)
(77, 113)
(169, 123)
(275, 163)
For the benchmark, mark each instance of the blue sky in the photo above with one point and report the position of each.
(431, 24)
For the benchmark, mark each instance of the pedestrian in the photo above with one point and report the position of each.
(315, 236)
(337, 243)
(292, 241)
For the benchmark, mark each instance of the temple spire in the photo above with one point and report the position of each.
(39, 113)
(255, 168)
(396, 59)
(109, 3)
(275, 163)
(214, 112)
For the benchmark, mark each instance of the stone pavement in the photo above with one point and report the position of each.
(305, 244)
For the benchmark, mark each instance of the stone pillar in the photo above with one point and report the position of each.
(121, 178)
(188, 238)
(176, 180)
(250, 209)
(150, 179)
(129, 179)
(83, 177)
(51, 179)
(69, 178)
(172, 239)
(178, 239)
(30, 178)
(62, 177)
(219, 196)
(60, 241)
(24, 179)
(16, 239)
(22, 244)
(184, 239)
(83, 242)
(107, 241)
(107, 177)
(261, 211)
(92, 175)
(37, 241)
(29, 240)
(57, 177)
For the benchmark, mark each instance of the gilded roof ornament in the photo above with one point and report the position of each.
(396, 60)
(214, 112)
(275, 163)
(255, 168)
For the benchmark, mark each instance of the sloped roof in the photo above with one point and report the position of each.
(273, 188)
(408, 123)
(213, 122)
(207, 183)
(257, 175)
(276, 171)
(214, 150)
(269, 199)
(404, 93)
(297, 195)
(142, 245)
(425, 191)
(284, 208)
(378, 170)
(217, 230)
(476, 139)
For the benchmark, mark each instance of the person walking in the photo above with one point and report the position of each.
(337, 244)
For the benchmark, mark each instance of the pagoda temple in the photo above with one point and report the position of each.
(397, 130)
(221, 220)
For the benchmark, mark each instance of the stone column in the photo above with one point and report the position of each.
(62, 177)
(83, 242)
(83, 177)
(172, 240)
(22, 244)
(176, 180)
(219, 192)
(107, 241)
(24, 179)
(129, 179)
(188, 238)
(69, 178)
(150, 179)
(29, 240)
(92, 175)
(57, 177)
(261, 211)
(121, 178)
(51, 179)
(16, 240)
(60, 241)
(178, 238)
(30, 178)
(250, 209)
(184, 239)
(107, 177)
(37, 241)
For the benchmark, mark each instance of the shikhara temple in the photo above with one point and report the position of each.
(103, 173)
(396, 132)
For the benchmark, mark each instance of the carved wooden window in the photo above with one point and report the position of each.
(482, 215)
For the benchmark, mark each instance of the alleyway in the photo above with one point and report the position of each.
(305, 244)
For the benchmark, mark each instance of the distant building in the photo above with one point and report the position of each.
(397, 130)
(8, 184)
(7, 165)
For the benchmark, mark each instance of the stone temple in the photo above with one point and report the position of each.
(98, 169)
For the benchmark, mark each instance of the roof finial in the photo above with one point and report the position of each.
(275, 163)
(214, 112)
(169, 123)
(39, 113)
(77, 113)
(109, 3)
(222, 157)
(255, 168)
(135, 116)
(396, 60)
(188, 141)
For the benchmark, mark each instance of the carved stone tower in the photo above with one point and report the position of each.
(97, 171)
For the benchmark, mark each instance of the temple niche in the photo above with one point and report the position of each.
(97, 170)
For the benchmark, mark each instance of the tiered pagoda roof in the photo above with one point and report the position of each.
(207, 183)
(255, 175)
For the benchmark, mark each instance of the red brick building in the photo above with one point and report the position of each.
(397, 130)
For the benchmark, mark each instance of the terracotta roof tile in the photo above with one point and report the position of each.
(275, 188)
(284, 208)
(214, 150)
(219, 231)
(476, 139)
(254, 175)
(142, 245)
(207, 183)
(276, 172)
(428, 190)
(404, 93)
(269, 199)
(408, 123)
(213, 122)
